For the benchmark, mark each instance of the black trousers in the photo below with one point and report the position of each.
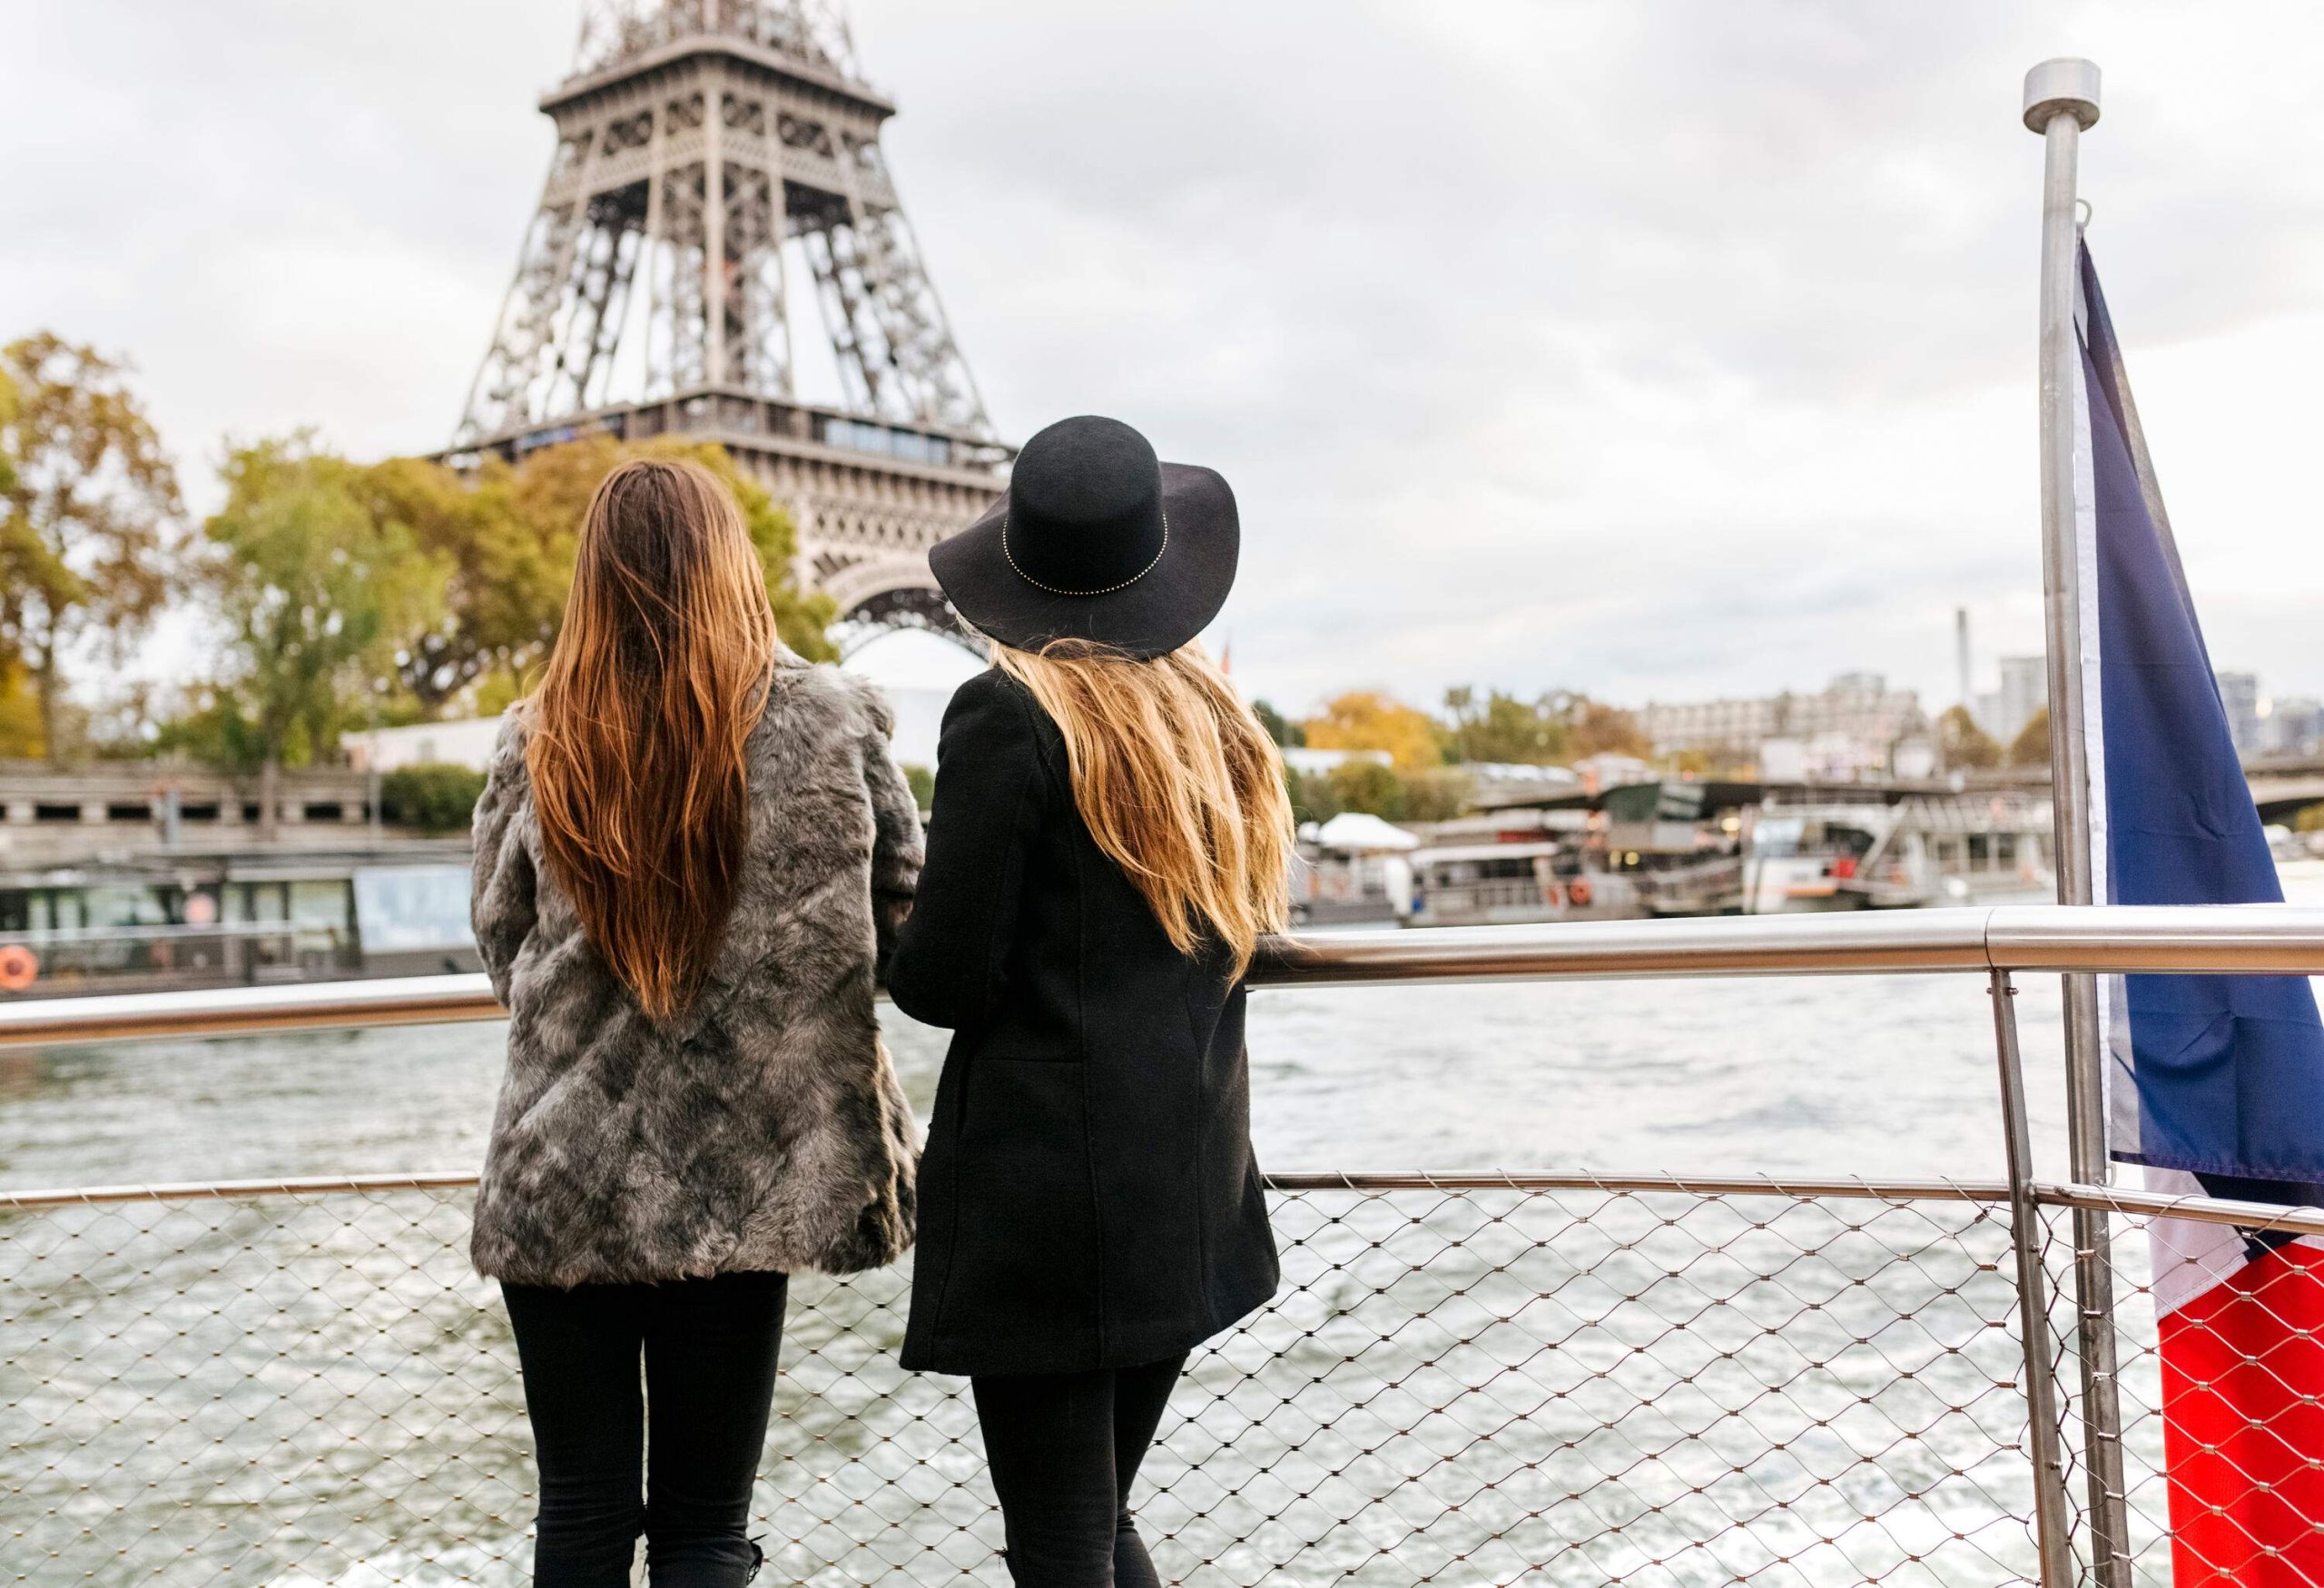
(1063, 1448)
(709, 1348)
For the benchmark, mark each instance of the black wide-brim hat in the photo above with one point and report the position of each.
(1098, 540)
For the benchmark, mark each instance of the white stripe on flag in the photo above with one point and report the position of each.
(2121, 1093)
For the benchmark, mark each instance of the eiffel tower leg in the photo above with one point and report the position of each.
(840, 296)
(913, 319)
(713, 247)
(501, 393)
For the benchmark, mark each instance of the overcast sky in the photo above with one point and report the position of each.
(1654, 349)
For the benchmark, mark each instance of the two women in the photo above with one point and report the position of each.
(1109, 839)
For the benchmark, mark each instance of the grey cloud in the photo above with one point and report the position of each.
(1642, 348)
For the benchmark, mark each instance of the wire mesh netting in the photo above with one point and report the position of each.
(1536, 1383)
(2217, 1347)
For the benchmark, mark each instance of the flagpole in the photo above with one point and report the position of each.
(2061, 103)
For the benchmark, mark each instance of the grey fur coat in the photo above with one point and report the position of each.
(763, 1128)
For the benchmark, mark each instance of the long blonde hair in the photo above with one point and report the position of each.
(660, 672)
(1176, 782)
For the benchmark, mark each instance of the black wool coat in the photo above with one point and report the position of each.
(1088, 1197)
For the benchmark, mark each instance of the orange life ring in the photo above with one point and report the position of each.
(1577, 893)
(19, 967)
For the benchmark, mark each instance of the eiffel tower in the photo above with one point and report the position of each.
(706, 150)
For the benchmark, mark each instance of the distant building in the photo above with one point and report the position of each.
(2295, 726)
(2239, 693)
(1857, 719)
(2024, 690)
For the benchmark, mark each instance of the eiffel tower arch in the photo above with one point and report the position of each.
(717, 160)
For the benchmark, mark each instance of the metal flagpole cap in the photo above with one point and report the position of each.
(2067, 84)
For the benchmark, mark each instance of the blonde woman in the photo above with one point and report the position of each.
(1110, 838)
(691, 850)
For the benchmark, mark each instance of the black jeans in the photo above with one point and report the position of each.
(709, 1347)
(1062, 1448)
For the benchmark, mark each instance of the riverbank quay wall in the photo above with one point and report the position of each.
(111, 810)
(1468, 1378)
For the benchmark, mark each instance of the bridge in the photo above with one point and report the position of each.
(2281, 786)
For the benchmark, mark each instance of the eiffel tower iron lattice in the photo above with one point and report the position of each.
(707, 150)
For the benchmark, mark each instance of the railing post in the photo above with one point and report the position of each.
(2045, 1432)
(2061, 101)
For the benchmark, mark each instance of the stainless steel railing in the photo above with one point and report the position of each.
(2237, 938)
(2023, 1248)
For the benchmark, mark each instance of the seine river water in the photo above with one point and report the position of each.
(318, 1393)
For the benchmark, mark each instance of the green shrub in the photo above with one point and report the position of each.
(433, 797)
(923, 784)
(1370, 787)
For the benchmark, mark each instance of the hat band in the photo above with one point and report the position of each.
(1109, 589)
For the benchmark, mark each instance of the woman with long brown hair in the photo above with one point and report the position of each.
(1110, 838)
(691, 857)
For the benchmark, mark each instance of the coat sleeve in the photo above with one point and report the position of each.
(502, 894)
(952, 953)
(896, 842)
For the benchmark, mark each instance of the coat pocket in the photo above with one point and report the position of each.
(1025, 1256)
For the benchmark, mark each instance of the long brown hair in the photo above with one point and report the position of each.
(659, 672)
(1176, 782)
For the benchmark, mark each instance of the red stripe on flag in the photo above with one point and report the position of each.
(2243, 1432)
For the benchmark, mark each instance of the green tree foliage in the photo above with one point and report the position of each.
(503, 579)
(313, 588)
(2031, 748)
(1963, 746)
(508, 541)
(1310, 797)
(435, 797)
(1369, 786)
(1438, 796)
(89, 516)
(1281, 729)
(923, 784)
(1503, 728)
(2310, 819)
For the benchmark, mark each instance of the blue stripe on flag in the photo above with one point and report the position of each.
(2229, 1069)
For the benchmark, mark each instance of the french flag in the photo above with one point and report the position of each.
(2215, 1083)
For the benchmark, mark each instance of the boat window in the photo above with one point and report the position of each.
(407, 907)
(121, 906)
(323, 811)
(1778, 837)
(2006, 848)
(128, 812)
(1980, 844)
(320, 903)
(44, 812)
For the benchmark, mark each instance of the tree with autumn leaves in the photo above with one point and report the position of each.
(341, 593)
(92, 541)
